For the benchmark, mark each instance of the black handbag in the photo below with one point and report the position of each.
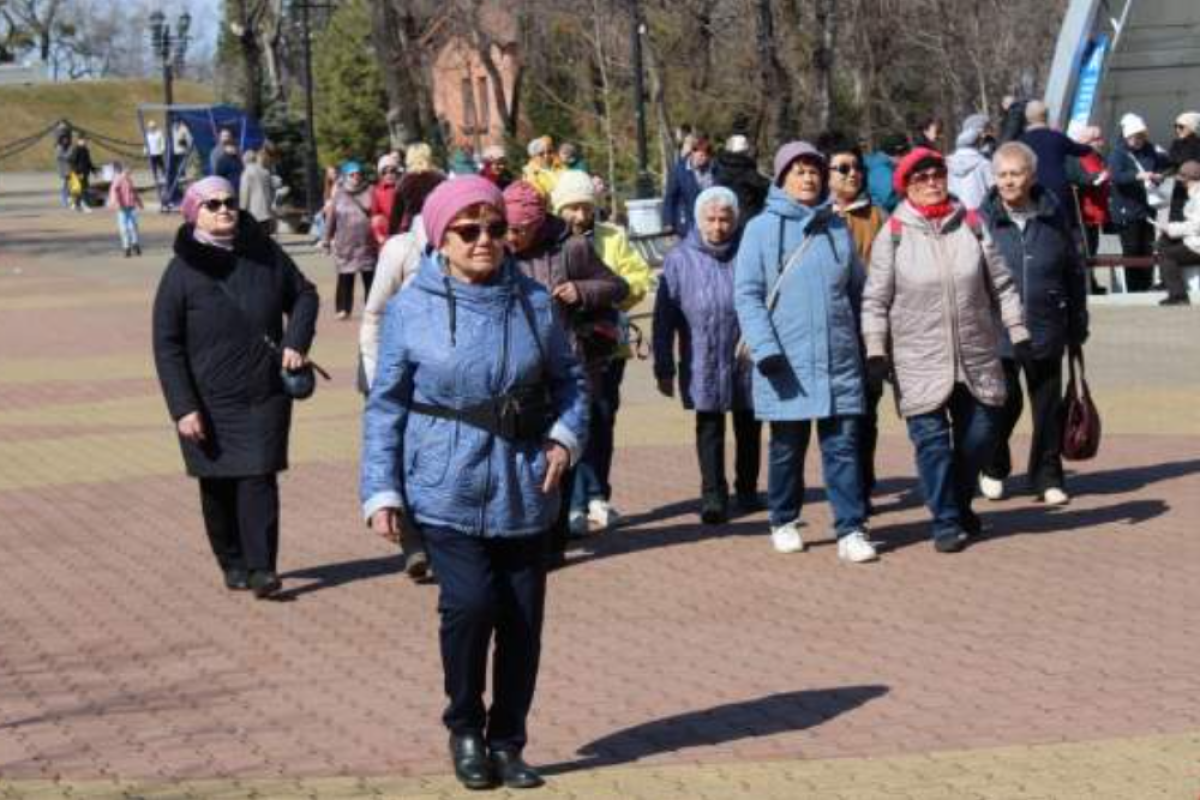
(1081, 431)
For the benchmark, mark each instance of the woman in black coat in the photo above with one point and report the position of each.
(220, 342)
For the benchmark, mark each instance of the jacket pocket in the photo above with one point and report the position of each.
(428, 447)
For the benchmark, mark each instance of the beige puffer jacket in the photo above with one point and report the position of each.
(933, 304)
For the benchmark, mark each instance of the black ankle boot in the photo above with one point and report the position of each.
(237, 579)
(513, 772)
(264, 583)
(469, 755)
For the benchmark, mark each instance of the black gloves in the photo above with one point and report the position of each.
(877, 372)
(773, 365)
(1023, 353)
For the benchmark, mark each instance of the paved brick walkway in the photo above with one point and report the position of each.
(1060, 658)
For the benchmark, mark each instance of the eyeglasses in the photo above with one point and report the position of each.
(389, 171)
(217, 203)
(845, 169)
(470, 232)
(935, 175)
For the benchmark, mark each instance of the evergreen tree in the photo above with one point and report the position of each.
(351, 100)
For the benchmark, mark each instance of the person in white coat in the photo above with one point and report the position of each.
(970, 171)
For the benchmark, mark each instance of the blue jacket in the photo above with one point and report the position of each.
(880, 170)
(683, 187)
(1049, 272)
(1127, 197)
(453, 344)
(694, 305)
(815, 323)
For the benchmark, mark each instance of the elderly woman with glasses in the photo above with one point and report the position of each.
(694, 313)
(796, 288)
(927, 317)
(232, 310)
(477, 410)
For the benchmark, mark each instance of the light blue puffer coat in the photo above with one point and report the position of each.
(815, 323)
(449, 343)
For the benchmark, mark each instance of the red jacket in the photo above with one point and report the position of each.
(1093, 198)
(383, 197)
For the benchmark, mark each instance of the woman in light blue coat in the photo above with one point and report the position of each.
(797, 288)
(477, 409)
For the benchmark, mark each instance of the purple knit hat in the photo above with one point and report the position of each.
(202, 191)
(785, 155)
(450, 198)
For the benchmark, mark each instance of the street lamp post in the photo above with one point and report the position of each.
(644, 188)
(312, 178)
(169, 47)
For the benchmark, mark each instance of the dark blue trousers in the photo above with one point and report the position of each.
(489, 589)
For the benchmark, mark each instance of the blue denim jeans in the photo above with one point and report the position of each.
(841, 464)
(592, 472)
(127, 225)
(952, 445)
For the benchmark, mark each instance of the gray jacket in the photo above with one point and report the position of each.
(930, 301)
(256, 192)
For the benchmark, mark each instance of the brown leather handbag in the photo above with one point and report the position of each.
(1081, 430)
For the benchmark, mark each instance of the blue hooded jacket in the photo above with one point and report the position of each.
(449, 343)
(880, 170)
(815, 323)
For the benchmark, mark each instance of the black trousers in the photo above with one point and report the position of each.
(1175, 256)
(489, 588)
(1043, 379)
(344, 296)
(560, 532)
(241, 517)
(869, 440)
(710, 448)
(1137, 239)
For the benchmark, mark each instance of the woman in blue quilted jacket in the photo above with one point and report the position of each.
(477, 409)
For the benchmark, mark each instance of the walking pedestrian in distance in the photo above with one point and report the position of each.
(232, 312)
(123, 198)
(477, 411)
(348, 236)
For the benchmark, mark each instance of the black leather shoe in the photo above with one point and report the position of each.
(264, 583)
(468, 753)
(513, 772)
(237, 579)
(713, 510)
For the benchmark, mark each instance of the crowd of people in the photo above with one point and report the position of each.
(496, 332)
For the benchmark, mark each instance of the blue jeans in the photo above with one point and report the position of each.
(952, 445)
(841, 464)
(128, 227)
(592, 472)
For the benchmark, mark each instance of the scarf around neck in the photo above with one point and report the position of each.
(219, 242)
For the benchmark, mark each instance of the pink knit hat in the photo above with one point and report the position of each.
(202, 191)
(524, 206)
(451, 198)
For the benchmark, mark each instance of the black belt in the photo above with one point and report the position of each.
(524, 414)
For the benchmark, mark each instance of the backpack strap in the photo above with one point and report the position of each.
(974, 221)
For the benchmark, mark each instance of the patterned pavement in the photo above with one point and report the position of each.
(1059, 658)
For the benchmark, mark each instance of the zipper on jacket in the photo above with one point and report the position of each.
(491, 445)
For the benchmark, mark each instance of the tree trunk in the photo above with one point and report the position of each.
(658, 95)
(410, 108)
(822, 62)
(775, 112)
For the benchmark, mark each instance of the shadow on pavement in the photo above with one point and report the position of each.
(328, 576)
(750, 719)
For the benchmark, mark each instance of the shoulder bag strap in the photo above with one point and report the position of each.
(527, 312)
(795, 258)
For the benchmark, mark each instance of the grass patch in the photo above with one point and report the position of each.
(107, 107)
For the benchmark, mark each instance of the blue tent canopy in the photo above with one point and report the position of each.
(204, 125)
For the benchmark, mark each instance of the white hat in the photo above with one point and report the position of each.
(737, 144)
(1189, 120)
(573, 186)
(1132, 124)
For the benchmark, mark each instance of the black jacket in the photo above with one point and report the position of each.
(212, 357)
(739, 173)
(1049, 271)
(1185, 149)
(80, 159)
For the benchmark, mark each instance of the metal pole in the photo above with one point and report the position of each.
(166, 197)
(310, 128)
(644, 187)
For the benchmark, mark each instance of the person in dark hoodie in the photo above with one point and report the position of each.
(1036, 237)
(232, 311)
(736, 170)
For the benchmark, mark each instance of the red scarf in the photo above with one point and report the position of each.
(938, 211)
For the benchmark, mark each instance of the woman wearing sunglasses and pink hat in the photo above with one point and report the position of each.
(476, 411)
(232, 311)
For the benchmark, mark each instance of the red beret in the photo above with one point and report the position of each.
(908, 164)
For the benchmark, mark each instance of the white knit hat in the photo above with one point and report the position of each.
(737, 144)
(1190, 120)
(1133, 124)
(573, 186)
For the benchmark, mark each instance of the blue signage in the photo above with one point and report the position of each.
(1088, 85)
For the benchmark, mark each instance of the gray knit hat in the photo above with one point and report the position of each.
(791, 151)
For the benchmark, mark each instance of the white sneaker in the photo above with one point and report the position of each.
(603, 515)
(856, 548)
(991, 488)
(577, 525)
(1055, 497)
(786, 538)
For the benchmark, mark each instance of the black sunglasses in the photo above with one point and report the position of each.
(471, 232)
(845, 169)
(216, 204)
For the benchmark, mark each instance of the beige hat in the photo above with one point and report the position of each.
(1132, 124)
(573, 186)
